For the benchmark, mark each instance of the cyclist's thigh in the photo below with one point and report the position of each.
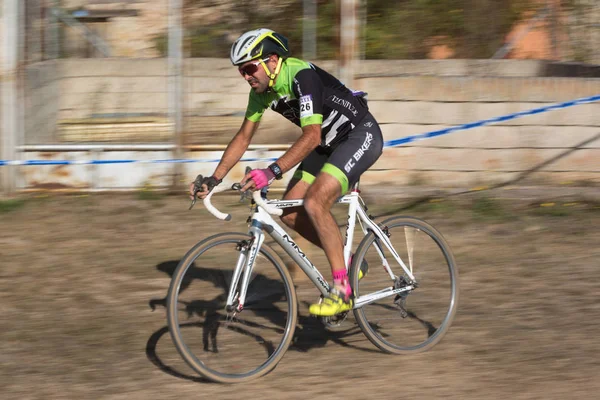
(356, 154)
(305, 174)
(296, 189)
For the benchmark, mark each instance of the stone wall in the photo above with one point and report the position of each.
(557, 147)
(407, 98)
(42, 102)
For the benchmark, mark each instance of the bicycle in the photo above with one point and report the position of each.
(234, 286)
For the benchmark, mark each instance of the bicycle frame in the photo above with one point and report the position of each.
(262, 222)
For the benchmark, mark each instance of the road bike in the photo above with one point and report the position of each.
(232, 307)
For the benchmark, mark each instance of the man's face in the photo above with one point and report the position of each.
(256, 76)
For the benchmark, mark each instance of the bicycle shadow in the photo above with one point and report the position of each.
(309, 334)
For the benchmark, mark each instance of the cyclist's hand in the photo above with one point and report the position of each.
(258, 179)
(206, 185)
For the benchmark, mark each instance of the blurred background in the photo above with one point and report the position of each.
(151, 79)
(106, 95)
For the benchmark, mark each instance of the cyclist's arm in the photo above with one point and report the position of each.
(236, 148)
(310, 139)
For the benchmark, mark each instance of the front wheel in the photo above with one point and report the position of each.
(415, 320)
(217, 343)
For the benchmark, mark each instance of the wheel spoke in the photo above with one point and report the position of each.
(230, 347)
(415, 320)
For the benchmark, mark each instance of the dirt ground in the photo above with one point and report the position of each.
(78, 275)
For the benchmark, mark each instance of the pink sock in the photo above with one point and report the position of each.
(340, 278)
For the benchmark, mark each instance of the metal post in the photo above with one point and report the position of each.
(596, 33)
(52, 31)
(363, 30)
(37, 36)
(348, 40)
(175, 71)
(11, 113)
(553, 28)
(309, 30)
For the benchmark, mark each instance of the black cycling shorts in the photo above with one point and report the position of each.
(347, 159)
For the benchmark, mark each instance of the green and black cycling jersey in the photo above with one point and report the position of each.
(307, 95)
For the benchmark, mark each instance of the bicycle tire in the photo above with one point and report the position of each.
(212, 319)
(380, 333)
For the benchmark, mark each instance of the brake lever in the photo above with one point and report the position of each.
(193, 202)
(243, 195)
(238, 186)
(197, 187)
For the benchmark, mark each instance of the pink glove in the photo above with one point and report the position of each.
(262, 177)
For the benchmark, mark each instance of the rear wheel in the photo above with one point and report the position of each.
(220, 344)
(415, 320)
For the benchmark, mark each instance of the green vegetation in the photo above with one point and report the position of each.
(147, 192)
(9, 205)
(488, 209)
(439, 206)
(402, 29)
(556, 209)
(410, 28)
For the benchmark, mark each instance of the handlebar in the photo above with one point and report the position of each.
(212, 209)
(266, 206)
(256, 196)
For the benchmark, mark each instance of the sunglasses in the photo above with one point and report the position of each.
(250, 69)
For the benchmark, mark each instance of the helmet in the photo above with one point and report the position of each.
(258, 43)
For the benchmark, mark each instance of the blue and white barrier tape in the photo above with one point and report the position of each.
(471, 125)
(102, 162)
(389, 143)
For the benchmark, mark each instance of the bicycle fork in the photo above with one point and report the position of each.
(243, 269)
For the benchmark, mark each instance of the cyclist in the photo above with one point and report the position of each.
(340, 140)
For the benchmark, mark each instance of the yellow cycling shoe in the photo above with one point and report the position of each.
(331, 305)
(364, 269)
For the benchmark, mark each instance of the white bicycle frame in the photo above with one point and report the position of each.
(262, 221)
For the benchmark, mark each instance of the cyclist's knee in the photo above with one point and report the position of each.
(314, 205)
(319, 199)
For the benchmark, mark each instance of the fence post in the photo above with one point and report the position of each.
(309, 30)
(52, 31)
(348, 40)
(11, 130)
(175, 71)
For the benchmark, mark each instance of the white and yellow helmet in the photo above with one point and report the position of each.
(258, 43)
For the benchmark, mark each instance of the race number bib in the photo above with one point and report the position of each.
(306, 106)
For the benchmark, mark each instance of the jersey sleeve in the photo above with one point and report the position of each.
(308, 88)
(255, 109)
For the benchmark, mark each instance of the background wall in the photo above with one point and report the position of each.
(125, 101)
(42, 101)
